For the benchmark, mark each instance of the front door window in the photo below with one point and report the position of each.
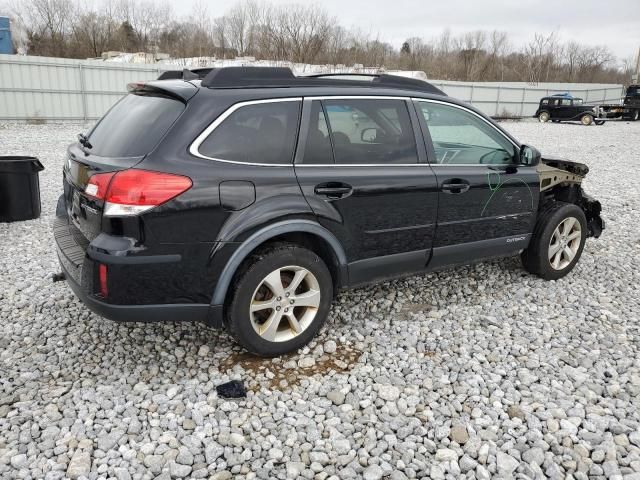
(461, 138)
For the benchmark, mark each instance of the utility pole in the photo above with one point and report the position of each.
(636, 78)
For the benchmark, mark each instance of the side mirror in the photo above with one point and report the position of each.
(529, 156)
(369, 135)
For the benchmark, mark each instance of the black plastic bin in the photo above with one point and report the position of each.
(19, 188)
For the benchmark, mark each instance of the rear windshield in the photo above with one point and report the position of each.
(134, 125)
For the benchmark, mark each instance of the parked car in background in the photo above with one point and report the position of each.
(247, 199)
(563, 107)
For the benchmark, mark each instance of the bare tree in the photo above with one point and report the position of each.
(540, 55)
(219, 31)
(48, 24)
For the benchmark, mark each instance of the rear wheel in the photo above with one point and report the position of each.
(586, 119)
(280, 300)
(635, 116)
(599, 122)
(557, 242)
(543, 117)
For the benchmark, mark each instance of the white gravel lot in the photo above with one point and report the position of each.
(478, 372)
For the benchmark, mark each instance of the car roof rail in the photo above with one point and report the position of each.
(246, 76)
(386, 80)
(185, 74)
(282, 77)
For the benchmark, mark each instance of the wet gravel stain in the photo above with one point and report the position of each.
(279, 373)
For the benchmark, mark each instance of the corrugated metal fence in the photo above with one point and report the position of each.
(56, 89)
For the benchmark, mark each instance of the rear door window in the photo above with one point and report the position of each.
(262, 133)
(134, 125)
(371, 131)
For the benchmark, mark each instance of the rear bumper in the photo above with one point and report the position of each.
(139, 313)
(212, 315)
(78, 260)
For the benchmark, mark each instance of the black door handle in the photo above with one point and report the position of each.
(333, 190)
(455, 186)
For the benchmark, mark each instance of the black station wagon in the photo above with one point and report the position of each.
(248, 198)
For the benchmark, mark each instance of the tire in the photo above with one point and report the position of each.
(257, 284)
(586, 119)
(538, 258)
(599, 122)
(543, 117)
(635, 116)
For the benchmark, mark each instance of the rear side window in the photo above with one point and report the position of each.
(256, 133)
(371, 131)
(134, 126)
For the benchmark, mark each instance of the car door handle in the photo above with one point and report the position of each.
(455, 186)
(333, 190)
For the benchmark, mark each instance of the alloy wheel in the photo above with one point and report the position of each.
(565, 243)
(285, 303)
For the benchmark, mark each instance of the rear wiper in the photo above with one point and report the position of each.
(84, 140)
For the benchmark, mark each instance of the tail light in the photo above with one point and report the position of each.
(131, 192)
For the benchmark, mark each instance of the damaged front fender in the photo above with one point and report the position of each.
(555, 171)
(560, 180)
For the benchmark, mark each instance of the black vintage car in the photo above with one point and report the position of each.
(565, 108)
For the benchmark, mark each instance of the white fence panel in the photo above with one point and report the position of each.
(52, 89)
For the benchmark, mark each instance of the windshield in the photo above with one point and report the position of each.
(134, 125)
(634, 91)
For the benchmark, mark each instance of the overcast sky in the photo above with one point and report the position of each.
(615, 23)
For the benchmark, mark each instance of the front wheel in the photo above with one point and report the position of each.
(586, 119)
(557, 242)
(281, 299)
(543, 117)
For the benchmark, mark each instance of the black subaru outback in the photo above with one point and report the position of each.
(248, 198)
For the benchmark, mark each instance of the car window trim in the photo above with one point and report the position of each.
(405, 99)
(194, 148)
(430, 141)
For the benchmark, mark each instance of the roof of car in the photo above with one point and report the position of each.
(281, 77)
(561, 95)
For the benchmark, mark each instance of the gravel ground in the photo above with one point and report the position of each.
(478, 372)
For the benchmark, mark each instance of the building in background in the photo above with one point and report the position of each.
(6, 45)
